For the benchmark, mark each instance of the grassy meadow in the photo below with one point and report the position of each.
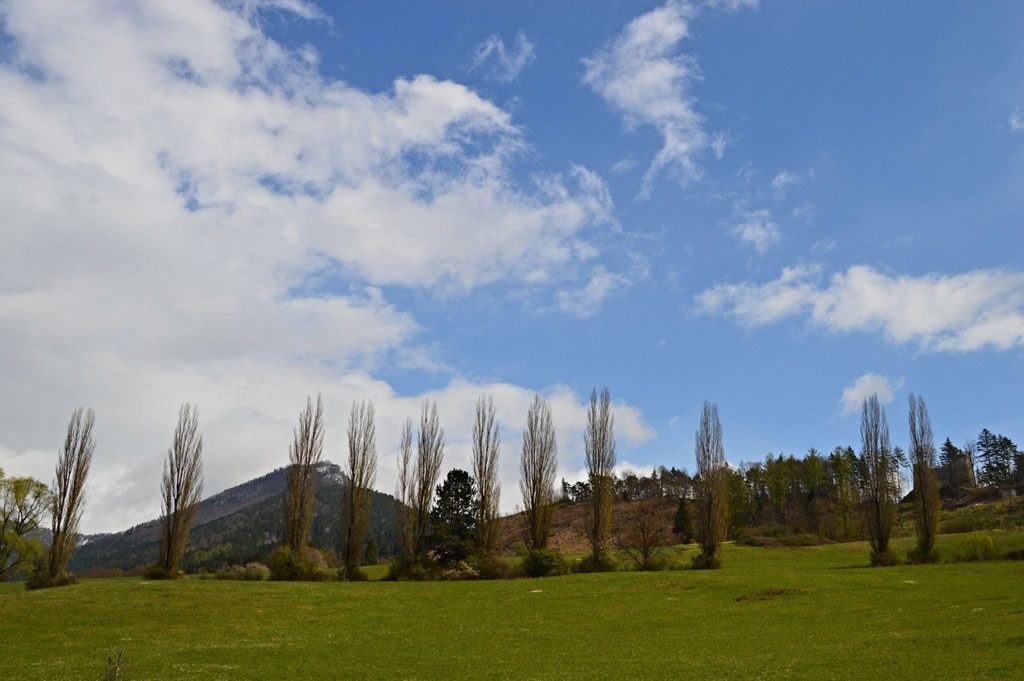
(793, 613)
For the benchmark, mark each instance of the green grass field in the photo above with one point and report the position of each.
(812, 613)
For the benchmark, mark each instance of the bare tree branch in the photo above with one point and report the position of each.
(926, 482)
(537, 467)
(486, 443)
(181, 487)
(304, 455)
(880, 487)
(599, 448)
(710, 488)
(73, 463)
(360, 471)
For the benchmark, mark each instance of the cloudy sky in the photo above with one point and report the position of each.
(778, 206)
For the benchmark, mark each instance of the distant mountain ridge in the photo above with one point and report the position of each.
(241, 524)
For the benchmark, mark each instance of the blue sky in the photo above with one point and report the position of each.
(778, 206)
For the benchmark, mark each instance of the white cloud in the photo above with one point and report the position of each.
(191, 212)
(585, 302)
(804, 212)
(506, 63)
(301, 8)
(784, 179)
(731, 5)
(962, 312)
(641, 75)
(864, 387)
(1016, 120)
(757, 229)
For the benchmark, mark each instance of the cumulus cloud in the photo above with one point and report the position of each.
(757, 229)
(192, 212)
(505, 62)
(642, 75)
(961, 312)
(864, 387)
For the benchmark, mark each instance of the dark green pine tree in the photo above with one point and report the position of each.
(682, 525)
(949, 453)
(453, 520)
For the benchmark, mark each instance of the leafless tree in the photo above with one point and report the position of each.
(486, 443)
(710, 489)
(926, 480)
(599, 448)
(879, 493)
(68, 500)
(537, 467)
(405, 491)
(360, 472)
(181, 487)
(645, 534)
(429, 456)
(304, 456)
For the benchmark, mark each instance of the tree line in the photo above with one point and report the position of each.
(843, 495)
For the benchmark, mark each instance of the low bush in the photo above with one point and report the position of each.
(287, 565)
(490, 566)
(1013, 554)
(702, 562)
(975, 547)
(157, 572)
(919, 557)
(886, 558)
(603, 563)
(757, 540)
(417, 570)
(544, 563)
(40, 579)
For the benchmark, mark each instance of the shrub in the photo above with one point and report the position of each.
(157, 572)
(519, 548)
(1014, 554)
(544, 563)
(490, 566)
(287, 565)
(40, 579)
(974, 547)
(417, 570)
(702, 562)
(916, 556)
(757, 540)
(604, 563)
(460, 571)
(886, 558)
